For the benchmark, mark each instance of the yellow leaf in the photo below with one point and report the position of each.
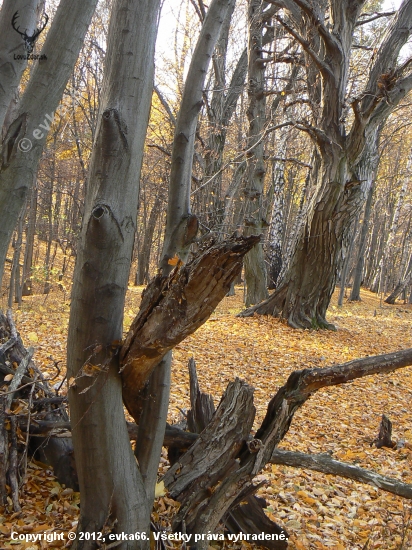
(72, 382)
(160, 490)
(32, 336)
(174, 260)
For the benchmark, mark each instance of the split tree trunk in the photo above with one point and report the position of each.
(180, 233)
(174, 307)
(113, 495)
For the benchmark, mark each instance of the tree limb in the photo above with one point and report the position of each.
(174, 307)
(323, 462)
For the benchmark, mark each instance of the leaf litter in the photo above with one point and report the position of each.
(319, 511)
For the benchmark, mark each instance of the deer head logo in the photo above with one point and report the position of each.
(29, 40)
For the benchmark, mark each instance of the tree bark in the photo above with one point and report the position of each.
(143, 260)
(276, 220)
(357, 280)
(181, 230)
(35, 112)
(380, 273)
(255, 268)
(402, 285)
(174, 307)
(324, 463)
(112, 489)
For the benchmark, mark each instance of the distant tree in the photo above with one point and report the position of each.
(343, 128)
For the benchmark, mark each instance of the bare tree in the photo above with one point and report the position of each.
(304, 293)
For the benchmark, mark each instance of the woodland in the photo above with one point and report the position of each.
(205, 274)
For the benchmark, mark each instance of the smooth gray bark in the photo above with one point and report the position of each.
(11, 46)
(181, 226)
(181, 229)
(26, 135)
(112, 490)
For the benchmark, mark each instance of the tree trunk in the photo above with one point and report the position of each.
(304, 294)
(143, 259)
(27, 289)
(25, 138)
(357, 280)
(276, 220)
(402, 285)
(174, 307)
(255, 268)
(12, 48)
(380, 273)
(181, 230)
(112, 490)
(346, 263)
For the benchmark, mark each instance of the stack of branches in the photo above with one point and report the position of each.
(27, 404)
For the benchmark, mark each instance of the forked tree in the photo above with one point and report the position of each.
(343, 128)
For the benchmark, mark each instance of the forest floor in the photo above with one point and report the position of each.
(319, 511)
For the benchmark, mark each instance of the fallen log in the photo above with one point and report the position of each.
(324, 463)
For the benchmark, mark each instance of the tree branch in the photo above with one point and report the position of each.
(165, 105)
(174, 307)
(373, 17)
(324, 463)
(323, 67)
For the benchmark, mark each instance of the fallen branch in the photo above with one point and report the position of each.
(323, 462)
(204, 509)
(18, 376)
(46, 428)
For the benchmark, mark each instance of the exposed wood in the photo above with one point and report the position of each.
(324, 463)
(206, 503)
(385, 434)
(202, 406)
(18, 375)
(212, 456)
(249, 517)
(173, 307)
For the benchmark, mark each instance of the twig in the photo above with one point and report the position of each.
(21, 369)
(26, 447)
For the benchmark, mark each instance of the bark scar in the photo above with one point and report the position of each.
(16, 130)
